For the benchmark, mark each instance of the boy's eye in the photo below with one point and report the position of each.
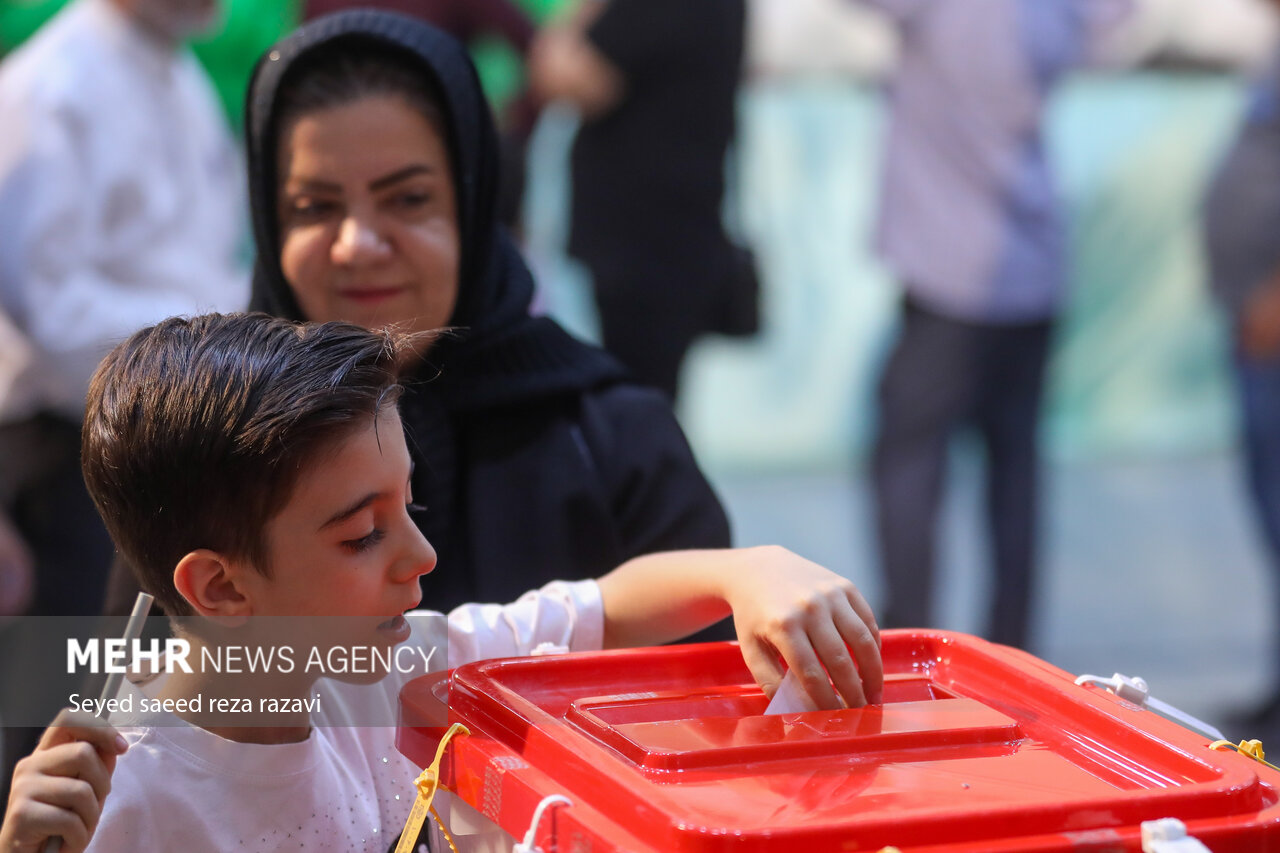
(364, 543)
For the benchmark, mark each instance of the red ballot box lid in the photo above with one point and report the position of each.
(977, 747)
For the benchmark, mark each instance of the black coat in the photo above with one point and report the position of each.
(536, 457)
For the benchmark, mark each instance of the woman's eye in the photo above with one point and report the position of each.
(413, 508)
(411, 200)
(310, 209)
(364, 543)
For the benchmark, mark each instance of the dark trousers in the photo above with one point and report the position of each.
(1258, 381)
(942, 375)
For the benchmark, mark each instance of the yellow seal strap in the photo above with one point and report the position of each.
(427, 783)
(1251, 748)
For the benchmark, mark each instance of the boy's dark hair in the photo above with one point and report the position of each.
(196, 430)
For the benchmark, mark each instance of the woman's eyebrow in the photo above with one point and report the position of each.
(400, 175)
(312, 184)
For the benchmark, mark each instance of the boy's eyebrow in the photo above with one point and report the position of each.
(343, 515)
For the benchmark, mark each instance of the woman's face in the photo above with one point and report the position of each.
(368, 216)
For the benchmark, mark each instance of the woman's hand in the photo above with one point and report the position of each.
(818, 622)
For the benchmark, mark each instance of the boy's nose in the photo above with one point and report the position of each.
(358, 240)
(419, 557)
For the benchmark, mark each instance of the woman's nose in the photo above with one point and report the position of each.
(358, 240)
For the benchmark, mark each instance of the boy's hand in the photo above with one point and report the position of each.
(785, 605)
(59, 789)
(782, 605)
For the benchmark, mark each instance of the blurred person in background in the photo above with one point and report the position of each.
(120, 204)
(1242, 215)
(971, 225)
(654, 82)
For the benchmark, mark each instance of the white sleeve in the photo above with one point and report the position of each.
(561, 613)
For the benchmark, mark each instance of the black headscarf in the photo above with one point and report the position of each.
(501, 362)
(500, 355)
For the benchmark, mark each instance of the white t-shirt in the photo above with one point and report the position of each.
(345, 788)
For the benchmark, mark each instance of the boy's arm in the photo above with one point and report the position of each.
(59, 789)
(782, 605)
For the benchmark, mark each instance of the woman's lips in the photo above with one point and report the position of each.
(368, 295)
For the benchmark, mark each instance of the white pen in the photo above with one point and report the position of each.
(132, 631)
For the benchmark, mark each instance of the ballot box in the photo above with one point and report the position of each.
(977, 748)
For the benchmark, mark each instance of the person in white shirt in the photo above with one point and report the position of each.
(255, 474)
(121, 203)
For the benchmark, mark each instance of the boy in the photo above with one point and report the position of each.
(255, 473)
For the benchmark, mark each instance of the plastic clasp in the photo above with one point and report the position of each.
(427, 783)
(1169, 835)
(1251, 748)
(1133, 690)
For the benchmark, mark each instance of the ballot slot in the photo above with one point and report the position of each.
(725, 725)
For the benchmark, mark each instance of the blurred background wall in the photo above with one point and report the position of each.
(1139, 367)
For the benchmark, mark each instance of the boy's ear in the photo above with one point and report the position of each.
(212, 585)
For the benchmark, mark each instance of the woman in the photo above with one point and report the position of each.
(373, 174)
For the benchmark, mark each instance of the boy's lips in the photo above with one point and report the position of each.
(396, 623)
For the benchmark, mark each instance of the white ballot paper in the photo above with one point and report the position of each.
(790, 698)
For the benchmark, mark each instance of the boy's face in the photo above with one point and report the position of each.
(344, 553)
